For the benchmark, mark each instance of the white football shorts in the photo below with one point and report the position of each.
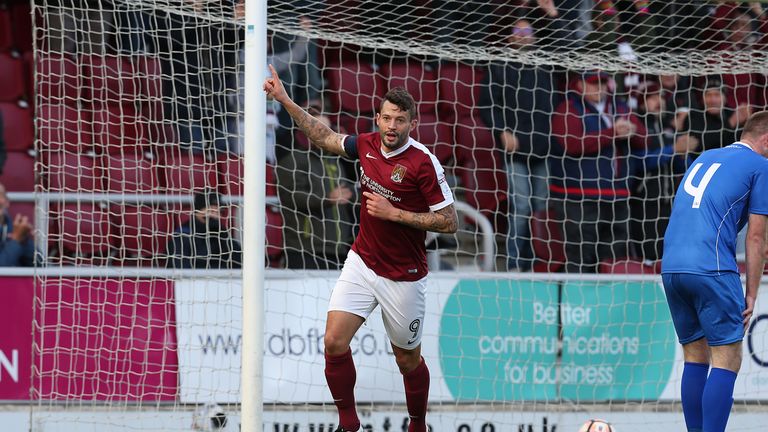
(359, 290)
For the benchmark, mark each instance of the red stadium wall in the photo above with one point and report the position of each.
(113, 340)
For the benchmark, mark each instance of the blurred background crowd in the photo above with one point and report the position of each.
(575, 169)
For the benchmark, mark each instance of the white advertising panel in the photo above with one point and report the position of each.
(485, 340)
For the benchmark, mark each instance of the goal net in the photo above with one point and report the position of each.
(564, 127)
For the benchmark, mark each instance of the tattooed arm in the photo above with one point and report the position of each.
(318, 133)
(442, 221)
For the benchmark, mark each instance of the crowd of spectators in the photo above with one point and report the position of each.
(603, 151)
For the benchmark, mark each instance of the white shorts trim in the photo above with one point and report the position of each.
(403, 303)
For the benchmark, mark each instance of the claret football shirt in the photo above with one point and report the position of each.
(412, 179)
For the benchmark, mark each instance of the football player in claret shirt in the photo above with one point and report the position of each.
(722, 191)
(405, 194)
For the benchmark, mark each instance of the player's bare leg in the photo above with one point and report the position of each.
(340, 373)
(416, 380)
(697, 351)
(340, 328)
(407, 360)
(727, 357)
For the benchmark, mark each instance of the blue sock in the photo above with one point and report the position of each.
(691, 391)
(717, 400)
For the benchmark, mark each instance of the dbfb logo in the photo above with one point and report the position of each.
(596, 425)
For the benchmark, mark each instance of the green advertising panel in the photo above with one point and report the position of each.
(497, 338)
(618, 341)
(501, 340)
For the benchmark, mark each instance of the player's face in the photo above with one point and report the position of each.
(394, 126)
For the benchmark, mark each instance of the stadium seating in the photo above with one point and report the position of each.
(139, 234)
(6, 36)
(481, 170)
(420, 81)
(23, 208)
(459, 86)
(629, 266)
(118, 128)
(80, 232)
(274, 236)
(150, 94)
(332, 52)
(230, 170)
(22, 25)
(271, 181)
(129, 173)
(184, 172)
(19, 172)
(179, 214)
(436, 135)
(64, 128)
(71, 172)
(28, 57)
(18, 128)
(149, 77)
(110, 79)
(58, 80)
(354, 123)
(355, 87)
(11, 77)
(547, 242)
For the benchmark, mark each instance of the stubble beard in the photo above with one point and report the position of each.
(399, 142)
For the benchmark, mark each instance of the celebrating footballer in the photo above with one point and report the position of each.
(405, 194)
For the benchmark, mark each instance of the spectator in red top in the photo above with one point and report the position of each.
(589, 170)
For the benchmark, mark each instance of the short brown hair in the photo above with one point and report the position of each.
(400, 97)
(757, 125)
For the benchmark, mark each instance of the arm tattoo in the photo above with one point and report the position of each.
(318, 133)
(442, 221)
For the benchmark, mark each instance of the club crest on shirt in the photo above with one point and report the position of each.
(398, 173)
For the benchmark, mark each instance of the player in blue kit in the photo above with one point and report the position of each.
(722, 190)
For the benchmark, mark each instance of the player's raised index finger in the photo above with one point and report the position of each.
(273, 71)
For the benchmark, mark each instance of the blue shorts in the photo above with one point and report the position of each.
(706, 306)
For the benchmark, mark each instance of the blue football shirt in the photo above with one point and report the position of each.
(712, 204)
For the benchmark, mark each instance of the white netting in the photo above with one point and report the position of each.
(138, 108)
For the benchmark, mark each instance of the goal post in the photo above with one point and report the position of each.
(254, 182)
